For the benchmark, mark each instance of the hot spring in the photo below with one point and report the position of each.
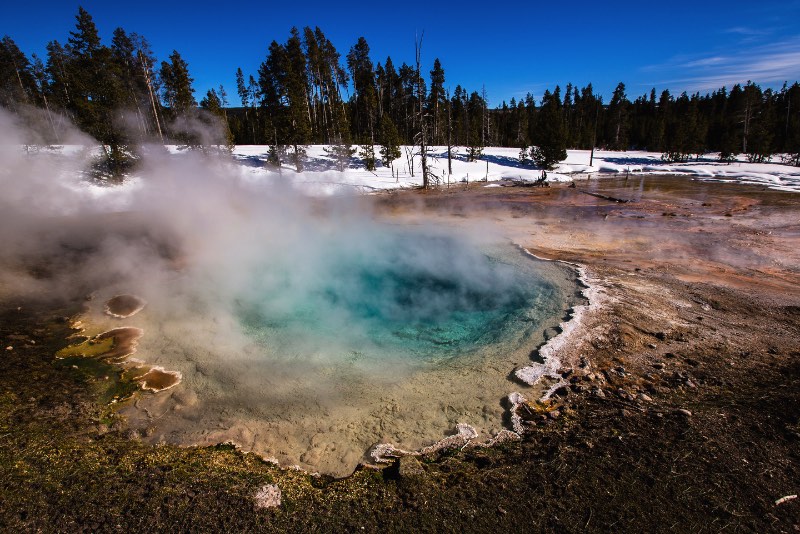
(305, 329)
(312, 359)
(394, 305)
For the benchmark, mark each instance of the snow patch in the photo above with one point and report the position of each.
(464, 438)
(268, 496)
(551, 362)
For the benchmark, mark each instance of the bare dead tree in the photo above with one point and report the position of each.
(421, 137)
(148, 80)
(409, 159)
(484, 117)
(40, 78)
(449, 138)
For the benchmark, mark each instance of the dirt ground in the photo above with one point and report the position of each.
(681, 414)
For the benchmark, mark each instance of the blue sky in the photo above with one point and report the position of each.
(510, 47)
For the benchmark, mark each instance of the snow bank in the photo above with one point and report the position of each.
(772, 175)
(319, 176)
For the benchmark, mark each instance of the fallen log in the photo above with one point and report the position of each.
(606, 197)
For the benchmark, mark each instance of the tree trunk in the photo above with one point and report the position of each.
(449, 144)
(50, 116)
(21, 86)
(747, 113)
(422, 125)
(149, 83)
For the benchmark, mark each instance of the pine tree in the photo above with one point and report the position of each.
(39, 73)
(367, 155)
(617, 133)
(714, 109)
(760, 147)
(588, 118)
(135, 82)
(365, 97)
(729, 141)
(698, 128)
(58, 83)
(247, 98)
(524, 156)
(178, 95)
(503, 121)
(341, 149)
(96, 93)
(334, 79)
(750, 108)
(258, 124)
(486, 129)
(393, 96)
(409, 82)
(550, 138)
(520, 124)
(148, 83)
(211, 102)
(284, 91)
(242, 89)
(390, 141)
(529, 118)
(457, 113)
(677, 131)
(325, 78)
(663, 121)
(436, 101)
(650, 136)
(17, 83)
(214, 104)
(449, 135)
(568, 116)
(271, 83)
(177, 84)
(298, 126)
(475, 140)
(82, 66)
(791, 125)
(341, 152)
(315, 65)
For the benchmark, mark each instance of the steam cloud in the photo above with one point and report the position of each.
(285, 314)
(191, 232)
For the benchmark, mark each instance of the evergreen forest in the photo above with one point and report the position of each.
(306, 92)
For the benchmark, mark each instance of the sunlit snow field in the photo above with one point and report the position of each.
(503, 164)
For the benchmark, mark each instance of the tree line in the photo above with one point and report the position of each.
(118, 93)
(304, 93)
(745, 120)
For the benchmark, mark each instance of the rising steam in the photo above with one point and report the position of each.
(282, 312)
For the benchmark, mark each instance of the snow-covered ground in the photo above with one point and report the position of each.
(321, 177)
(773, 175)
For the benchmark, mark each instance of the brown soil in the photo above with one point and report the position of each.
(681, 413)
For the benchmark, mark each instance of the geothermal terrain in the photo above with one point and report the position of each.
(657, 388)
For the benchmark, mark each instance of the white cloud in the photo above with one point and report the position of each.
(764, 64)
(704, 62)
(742, 30)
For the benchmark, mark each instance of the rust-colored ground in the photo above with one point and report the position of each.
(681, 414)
